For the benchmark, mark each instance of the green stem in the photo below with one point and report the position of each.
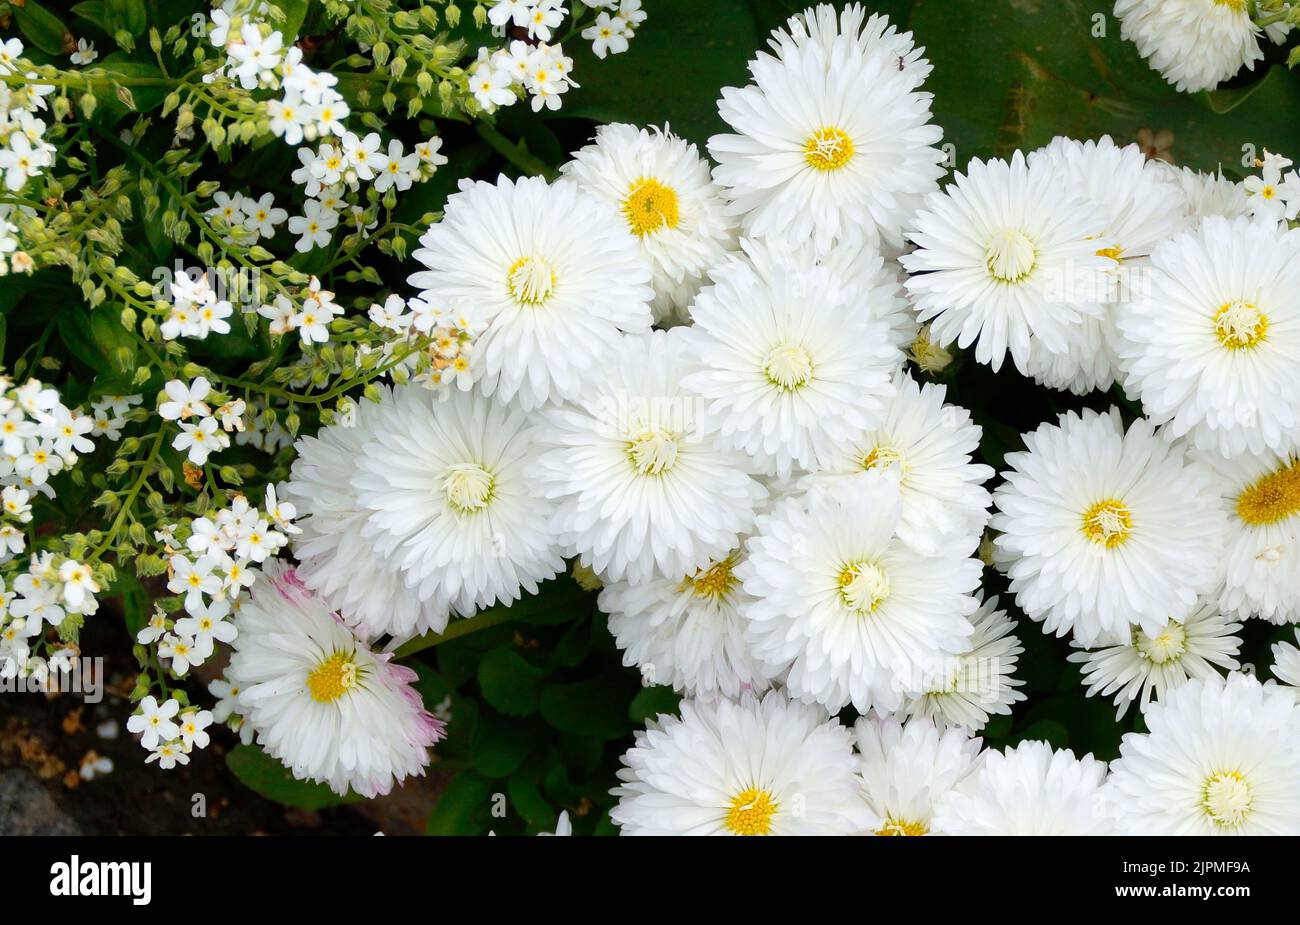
(130, 498)
(515, 153)
(455, 630)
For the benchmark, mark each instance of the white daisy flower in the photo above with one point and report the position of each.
(833, 142)
(1007, 254)
(1222, 758)
(1148, 665)
(325, 705)
(662, 190)
(790, 365)
(1208, 194)
(907, 769)
(926, 446)
(1140, 204)
(1261, 564)
(966, 689)
(1286, 664)
(1194, 44)
(641, 488)
(753, 767)
(871, 36)
(442, 477)
(552, 272)
(842, 600)
(1214, 349)
(1102, 530)
(335, 560)
(687, 632)
(1028, 790)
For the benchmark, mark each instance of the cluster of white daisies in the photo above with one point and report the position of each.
(1198, 44)
(24, 152)
(693, 379)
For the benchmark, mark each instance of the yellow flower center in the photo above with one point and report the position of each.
(1273, 498)
(469, 487)
(788, 367)
(1114, 253)
(531, 280)
(894, 826)
(828, 149)
(650, 206)
(1240, 324)
(864, 586)
(1168, 645)
(714, 582)
(332, 678)
(1226, 798)
(653, 453)
(1010, 256)
(884, 457)
(1237, 6)
(1108, 523)
(751, 812)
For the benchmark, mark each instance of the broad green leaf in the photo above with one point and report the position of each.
(509, 682)
(127, 15)
(501, 744)
(464, 808)
(651, 702)
(594, 708)
(39, 26)
(260, 772)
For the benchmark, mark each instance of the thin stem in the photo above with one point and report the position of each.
(455, 630)
(515, 153)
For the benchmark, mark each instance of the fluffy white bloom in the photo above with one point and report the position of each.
(687, 632)
(1028, 790)
(443, 479)
(1222, 758)
(642, 490)
(833, 142)
(926, 446)
(1101, 530)
(791, 368)
(1140, 203)
(966, 689)
(1007, 254)
(769, 767)
(1261, 562)
(1194, 44)
(907, 769)
(1286, 664)
(662, 190)
(1147, 665)
(1208, 194)
(330, 709)
(842, 600)
(1214, 349)
(552, 271)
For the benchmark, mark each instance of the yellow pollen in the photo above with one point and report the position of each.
(1108, 523)
(650, 206)
(653, 453)
(828, 149)
(788, 367)
(751, 812)
(195, 580)
(1168, 645)
(714, 582)
(1240, 324)
(864, 586)
(469, 487)
(531, 280)
(1226, 798)
(332, 678)
(1273, 498)
(894, 826)
(1010, 256)
(884, 457)
(1114, 253)
(1237, 6)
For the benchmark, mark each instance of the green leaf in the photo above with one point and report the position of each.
(464, 808)
(593, 708)
(672, 72)
(135, 601)
(128, 15)
(509, 682)
(651, 702)
(95, 12)
(500, 745)
(295, 11)
(525, 791)
(41, 27)
(145, 97)
(261, 773)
